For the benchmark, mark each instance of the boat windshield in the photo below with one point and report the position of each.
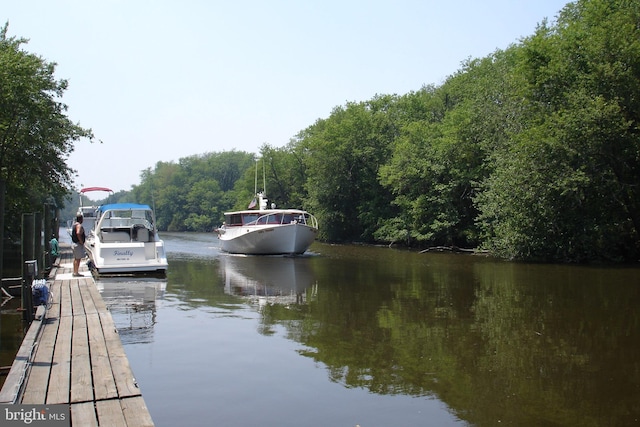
(127, 218)
(250, 218)
(270, 218)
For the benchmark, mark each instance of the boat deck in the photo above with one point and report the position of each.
(73, 355)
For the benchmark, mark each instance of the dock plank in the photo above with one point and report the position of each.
(81, 381)
(104, 383)
(136, 412)
(84, 414)
(125, 381)
(110, 413)
(65, 299)
(98, 301)
(88, 301)
(59, 390)
(74, 356)
(36, 388)
(77, 306)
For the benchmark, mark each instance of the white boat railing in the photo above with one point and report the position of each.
(279, 218)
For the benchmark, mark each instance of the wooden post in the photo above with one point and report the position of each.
(48, 232)
(38, 246)
(29, 265)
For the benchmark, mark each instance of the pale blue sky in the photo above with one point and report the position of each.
(162, 80)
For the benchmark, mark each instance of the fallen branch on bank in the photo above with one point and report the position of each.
(452, 249)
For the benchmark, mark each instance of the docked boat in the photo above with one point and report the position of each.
(125, 240)
(266, 231)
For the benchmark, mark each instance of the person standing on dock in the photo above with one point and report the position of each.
(77, 238)
(54, 248)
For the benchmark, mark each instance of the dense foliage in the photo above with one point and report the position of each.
(36, 136)
(532, 152)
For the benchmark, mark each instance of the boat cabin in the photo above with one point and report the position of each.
(267, 218)
(124, 224)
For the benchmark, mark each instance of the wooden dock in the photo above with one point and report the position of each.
(73, 355)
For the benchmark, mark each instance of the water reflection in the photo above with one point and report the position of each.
(133, 305)
(515, 343)
(379, 335)
(268, 279)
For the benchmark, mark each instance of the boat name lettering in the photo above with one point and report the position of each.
(123, 253)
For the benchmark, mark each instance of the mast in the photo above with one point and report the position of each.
(255, 186)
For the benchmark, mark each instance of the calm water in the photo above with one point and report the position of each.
(351, 335)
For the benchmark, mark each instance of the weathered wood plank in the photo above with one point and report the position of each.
(88, 301)
(65, 300)
(103, 382)
(76, 298)
(84, 415)
(60, 382)
(110, 413)
(98, 301)
(36, 388)
(136, 412)
(81, 381)
(125, 381)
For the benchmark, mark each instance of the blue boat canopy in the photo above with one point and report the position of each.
(123, 206)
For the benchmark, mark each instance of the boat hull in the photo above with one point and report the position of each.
(287, 239)
(134, 257)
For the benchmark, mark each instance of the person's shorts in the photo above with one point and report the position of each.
(78, 250)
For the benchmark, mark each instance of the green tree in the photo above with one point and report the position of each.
(192, 195)
(286, 174)
(36, 136)
(565, 189)
(344, 153)
(202, 203)
(34, 128)
(442, 151)
(425, 175)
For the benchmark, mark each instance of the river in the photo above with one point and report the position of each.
(371, 336)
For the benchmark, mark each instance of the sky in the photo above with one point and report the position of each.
(159, 81)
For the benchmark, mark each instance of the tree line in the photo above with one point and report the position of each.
(36, 137)
(530, 153)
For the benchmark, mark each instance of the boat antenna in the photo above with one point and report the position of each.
(255, 187)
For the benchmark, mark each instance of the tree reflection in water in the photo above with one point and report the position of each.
(522, 344)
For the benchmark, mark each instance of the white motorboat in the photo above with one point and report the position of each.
(265, 231)
(125, 240)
